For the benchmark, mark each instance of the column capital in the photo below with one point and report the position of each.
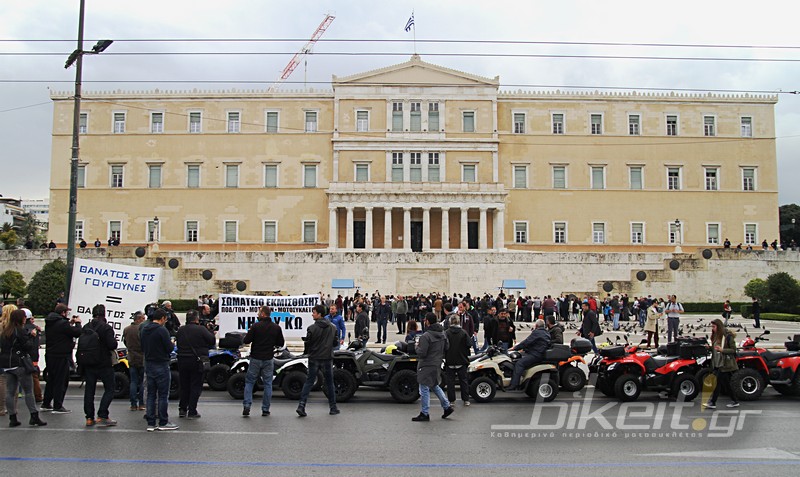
(426, 208)
(407, 209)
(368, 208)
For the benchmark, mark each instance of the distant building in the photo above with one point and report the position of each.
(11, 211)
(418, 157)
(40, 208)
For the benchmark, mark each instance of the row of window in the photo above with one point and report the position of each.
(636, 177)
(230, 231)
(416, 124)
(430, 172)
(637, 233)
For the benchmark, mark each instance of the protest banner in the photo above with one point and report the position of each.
(122, 289)
(292, 313)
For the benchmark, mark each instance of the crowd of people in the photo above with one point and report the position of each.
(444, 328)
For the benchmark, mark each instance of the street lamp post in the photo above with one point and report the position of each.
(678, 237)
(156, 229)
(794, 233)
(76, 57)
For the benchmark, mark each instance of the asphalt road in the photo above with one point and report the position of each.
(375, 436)
(575, 434)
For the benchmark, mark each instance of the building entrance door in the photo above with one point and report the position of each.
(472, 235)
(416, 236)
(359, 234)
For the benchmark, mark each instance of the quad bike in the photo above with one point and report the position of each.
(222, 360)
(759, 367)
(572, 368)
(357, 366)
(624, 372)
(495, 369)
(122, 380)
(285, 363)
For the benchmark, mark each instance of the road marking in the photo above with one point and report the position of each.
(143, 431)
(346, 465)
(761, 453)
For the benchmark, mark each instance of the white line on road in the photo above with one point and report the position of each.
(141, 431)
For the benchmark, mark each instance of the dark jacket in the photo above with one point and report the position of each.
(35, 341)
(535, 344)
(430, 351)
(20, 341)
(173, 323)
(458, 347)
(590, 323)
(265, 336)
(362, 325)
(383, 311)
(489, 328)
(467, 323)
(60, 336)
(130, 336)
(320, 340)
(194, 341)
(108, 342)
(512, 336)
(156, 345)
(556, 334)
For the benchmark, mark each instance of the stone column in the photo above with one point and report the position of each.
(333, 231)
(387, 228)
(445, 228)
(407, 229)
(499, 229)
(464, 241)
(349, 229)
(426, 229)
(368, 241)
(483, 230)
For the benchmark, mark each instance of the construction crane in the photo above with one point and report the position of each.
(300, 55)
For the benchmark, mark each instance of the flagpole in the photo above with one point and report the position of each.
(414, 26)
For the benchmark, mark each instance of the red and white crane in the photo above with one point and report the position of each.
(300, 55)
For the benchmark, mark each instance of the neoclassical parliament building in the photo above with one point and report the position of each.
(418, 157)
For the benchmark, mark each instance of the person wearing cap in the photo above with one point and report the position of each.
(130, 336)
(504, 335)
(173, 323)
(61, 333)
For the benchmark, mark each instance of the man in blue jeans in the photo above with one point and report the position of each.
(265, 336)
(157, 347)
(321, 337)
(431, 349)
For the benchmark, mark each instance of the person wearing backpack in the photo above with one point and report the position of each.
(95, 345)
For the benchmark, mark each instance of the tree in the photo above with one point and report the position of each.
(756, 288)
(29, 230)
(46, 286)
(789, 231)
(783, 292)
(8, 239)
(12, 283)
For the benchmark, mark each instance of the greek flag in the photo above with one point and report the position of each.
(410, 23)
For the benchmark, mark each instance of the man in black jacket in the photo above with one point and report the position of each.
(362, 325)
(321, 338)
(590, 325)
(456, 361)
(156, 347)
(535, 346)
(173, 323)
(265, 336)
(103, 370)
(194, 341)
(556, 330)
(489, 328)
(60, 334)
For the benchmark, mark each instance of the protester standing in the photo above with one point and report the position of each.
(15, 346)
(456, 361)
(130, 336)
(193, 340)
(723, 362)
(156, 346)
(590, 325)
(321, 338)
(99, 367)
(673, 310)
(61, 333)
(265, 336)
(431, 350)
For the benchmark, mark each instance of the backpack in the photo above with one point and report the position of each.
(88, 347)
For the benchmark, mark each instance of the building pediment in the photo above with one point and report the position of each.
(415, 72)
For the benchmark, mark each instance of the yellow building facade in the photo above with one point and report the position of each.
(418, 157)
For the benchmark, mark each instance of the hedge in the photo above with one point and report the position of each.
(780, 317)
(715, 307)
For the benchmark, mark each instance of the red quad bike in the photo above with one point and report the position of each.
(759, 367)
(624, 372)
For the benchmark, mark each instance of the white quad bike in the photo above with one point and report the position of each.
(495, 369)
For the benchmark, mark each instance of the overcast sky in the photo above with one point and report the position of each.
(25, 81)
